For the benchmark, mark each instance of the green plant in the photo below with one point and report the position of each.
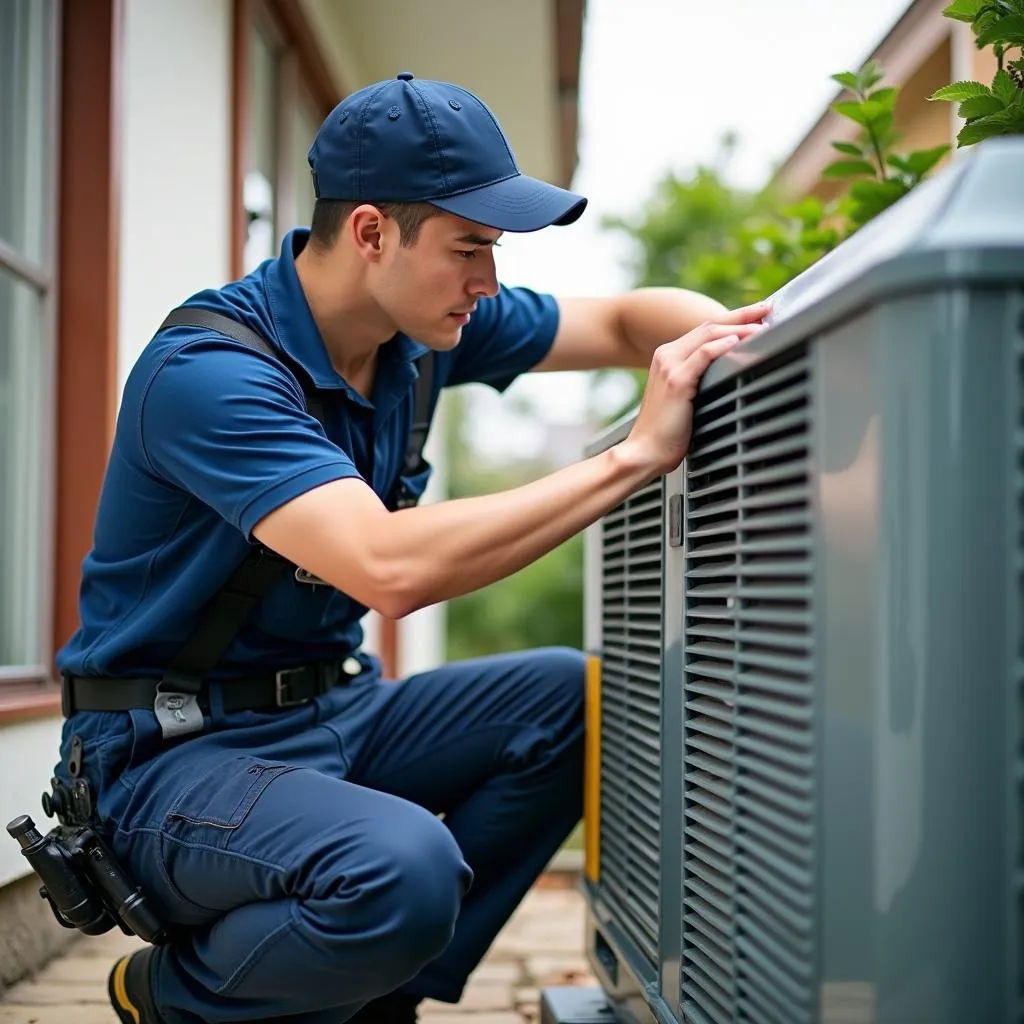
(879, 177)
(997, 109)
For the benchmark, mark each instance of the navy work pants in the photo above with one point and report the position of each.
(373, 840)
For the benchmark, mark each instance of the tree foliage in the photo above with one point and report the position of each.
(540, 605)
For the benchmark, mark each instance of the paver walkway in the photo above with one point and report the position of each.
(542, 945)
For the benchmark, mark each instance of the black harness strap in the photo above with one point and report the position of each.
(177, 707)
(421, 413)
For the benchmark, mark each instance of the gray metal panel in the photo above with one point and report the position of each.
(1013, 598)
(918, 893)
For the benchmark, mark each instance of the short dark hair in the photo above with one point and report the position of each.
(330, 214)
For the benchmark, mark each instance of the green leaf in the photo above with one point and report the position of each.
(886, 97)
(882, 127)
(960, 91)
(963, 10)
(1005, 88)
(848, 79)
(870, 198)
(847, 169)
(980, 106)
(871, 74)
(1006, 122)
(921, 161)
(876, 110)
(854, 111)
(848, 147)
(899, 163)
(1004, 30)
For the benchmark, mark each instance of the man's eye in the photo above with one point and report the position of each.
(467, 253)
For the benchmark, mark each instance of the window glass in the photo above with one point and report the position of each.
(23, 470)
(25, 27)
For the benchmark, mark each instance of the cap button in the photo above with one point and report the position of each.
(406, 76)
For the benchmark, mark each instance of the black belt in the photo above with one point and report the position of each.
(286, 688)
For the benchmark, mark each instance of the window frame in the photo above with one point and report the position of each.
(24, 686)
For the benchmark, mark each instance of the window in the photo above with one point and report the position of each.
(284, 99)
(28, 52)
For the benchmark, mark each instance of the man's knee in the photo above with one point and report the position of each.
(407, 893)
(563, 673)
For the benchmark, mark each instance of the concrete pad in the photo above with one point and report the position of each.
(11, 1013)
(30, 993)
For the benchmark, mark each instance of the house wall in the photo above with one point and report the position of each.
(176, 156)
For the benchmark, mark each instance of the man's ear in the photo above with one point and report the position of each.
(365, 228)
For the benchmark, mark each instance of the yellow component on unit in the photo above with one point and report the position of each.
(592, 773)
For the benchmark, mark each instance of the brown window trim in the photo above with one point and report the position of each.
(20, 702)
(90, 60)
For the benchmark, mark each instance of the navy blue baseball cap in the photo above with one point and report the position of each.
(410, 140)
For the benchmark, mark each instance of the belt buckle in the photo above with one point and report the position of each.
(281, 698)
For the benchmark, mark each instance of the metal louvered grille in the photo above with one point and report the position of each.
(631, 610)
(748, 850)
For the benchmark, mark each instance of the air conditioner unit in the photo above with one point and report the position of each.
(806, 743)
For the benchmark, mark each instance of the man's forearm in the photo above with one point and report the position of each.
(651, 316)
(454, 547)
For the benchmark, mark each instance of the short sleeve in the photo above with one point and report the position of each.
(508, 334)
(229, 426)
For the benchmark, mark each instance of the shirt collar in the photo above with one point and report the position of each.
(297, 331)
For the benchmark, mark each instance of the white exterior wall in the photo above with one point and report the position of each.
(28, 754)
(176, 161)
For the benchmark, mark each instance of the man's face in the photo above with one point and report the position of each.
(430, 289)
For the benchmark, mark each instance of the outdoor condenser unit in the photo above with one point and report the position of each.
(806, 742)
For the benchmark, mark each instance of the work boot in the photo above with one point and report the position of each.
(129, 989)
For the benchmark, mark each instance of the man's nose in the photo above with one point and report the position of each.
(485, 282)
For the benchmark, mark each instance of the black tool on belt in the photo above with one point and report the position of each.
(83, 883)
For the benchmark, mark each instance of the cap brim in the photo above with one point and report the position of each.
(516, 204)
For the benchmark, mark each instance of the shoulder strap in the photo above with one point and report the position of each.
(193, 316)
(176, 707)
(421, 415)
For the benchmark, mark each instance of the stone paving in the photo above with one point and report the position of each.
(541, 945)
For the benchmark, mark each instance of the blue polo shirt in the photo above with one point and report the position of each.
(212, 436)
